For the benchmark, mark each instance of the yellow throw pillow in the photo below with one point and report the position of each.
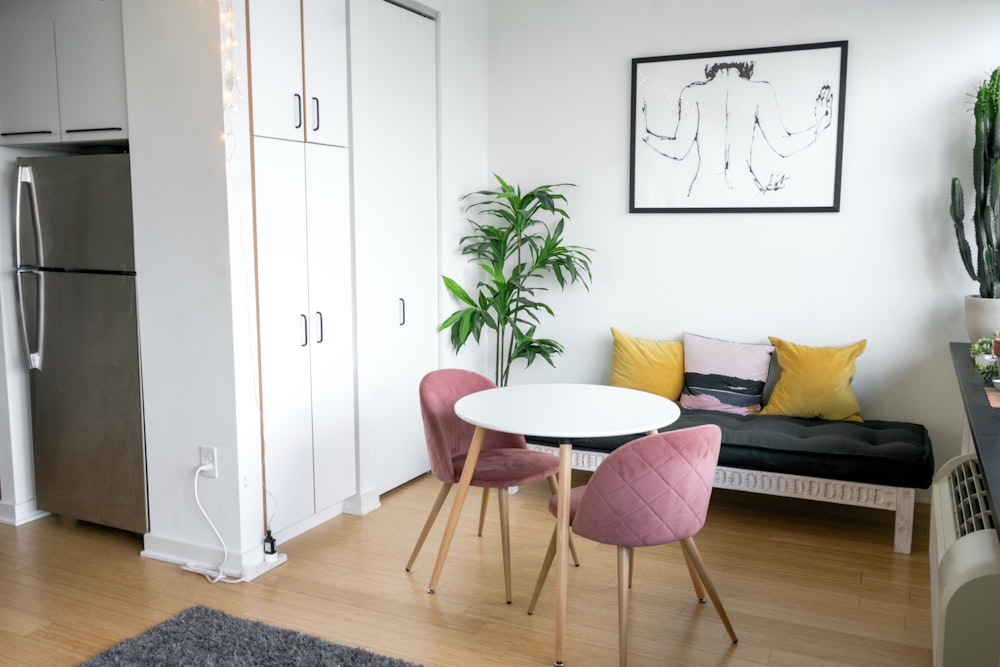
(815, 381)
(656, 366)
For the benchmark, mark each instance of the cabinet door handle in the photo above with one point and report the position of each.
(18, 134)
(298, 110)
(402, 312)
(95, 129)
(305, 330)
(319, 334)
(316, 109)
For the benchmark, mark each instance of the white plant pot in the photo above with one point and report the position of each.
(982, 317)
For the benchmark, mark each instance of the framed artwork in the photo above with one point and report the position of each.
(755, 130)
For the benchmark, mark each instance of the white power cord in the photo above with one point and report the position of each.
(212, 575)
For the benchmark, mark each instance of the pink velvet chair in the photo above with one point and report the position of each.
(504, 460)
(651, 491)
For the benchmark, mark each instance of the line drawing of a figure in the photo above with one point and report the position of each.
(720, 119)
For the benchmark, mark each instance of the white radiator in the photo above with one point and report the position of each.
(965, 568)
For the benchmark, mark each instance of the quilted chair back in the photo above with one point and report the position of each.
(651, 491)
(448, 437)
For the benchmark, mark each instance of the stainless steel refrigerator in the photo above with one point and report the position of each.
(77, 307)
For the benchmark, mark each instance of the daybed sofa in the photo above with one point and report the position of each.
(812, 445)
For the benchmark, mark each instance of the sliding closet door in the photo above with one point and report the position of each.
(396, 237)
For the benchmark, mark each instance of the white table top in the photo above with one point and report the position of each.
(567, 410)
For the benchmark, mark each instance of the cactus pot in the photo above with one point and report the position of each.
(982, 317)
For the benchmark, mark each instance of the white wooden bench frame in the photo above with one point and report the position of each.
(892, 498)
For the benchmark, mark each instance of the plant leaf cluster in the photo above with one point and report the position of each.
(984, 347)
(519, 253)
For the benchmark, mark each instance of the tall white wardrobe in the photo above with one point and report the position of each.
(345, 187)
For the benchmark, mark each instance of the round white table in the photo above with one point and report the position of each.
(561, 411)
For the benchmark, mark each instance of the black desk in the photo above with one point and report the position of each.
(984, 420)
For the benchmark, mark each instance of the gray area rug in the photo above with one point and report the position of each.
(201, 636)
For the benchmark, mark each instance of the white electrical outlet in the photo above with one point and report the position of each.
(208, 458)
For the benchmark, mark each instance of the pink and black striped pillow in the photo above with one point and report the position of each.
(723, 375)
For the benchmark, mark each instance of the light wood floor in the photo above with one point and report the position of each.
(806, 585)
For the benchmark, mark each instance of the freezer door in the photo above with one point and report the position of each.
(86, 402)
(75, 212)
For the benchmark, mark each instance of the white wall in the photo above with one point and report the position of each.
(884, 268)
(195, 330)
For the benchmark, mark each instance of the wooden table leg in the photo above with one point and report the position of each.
(456, 508)
(562, 544)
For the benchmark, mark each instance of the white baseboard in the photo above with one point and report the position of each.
(15, 515)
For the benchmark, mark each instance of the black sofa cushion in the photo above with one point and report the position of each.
(870, 452)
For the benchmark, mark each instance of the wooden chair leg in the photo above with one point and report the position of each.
(624, 577)
(435, 510)
(482, 510)
(691, 550)
(554, 488)
(699, 590)
(504, 497)
(550, 555)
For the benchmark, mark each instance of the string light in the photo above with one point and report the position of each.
(231, 92)
(230, 81)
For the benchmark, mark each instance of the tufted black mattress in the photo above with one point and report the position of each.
(870, 452)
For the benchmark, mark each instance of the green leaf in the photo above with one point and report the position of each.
(457, 291)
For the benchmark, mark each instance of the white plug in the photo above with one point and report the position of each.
(209, 464)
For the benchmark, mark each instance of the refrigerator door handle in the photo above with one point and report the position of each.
(34, 355)
(26, 177)
(305, 330)
(319, 333)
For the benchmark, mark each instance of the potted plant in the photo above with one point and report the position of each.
(982, 311)
(983, 356)
(519, 253)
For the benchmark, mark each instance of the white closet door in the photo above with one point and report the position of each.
(285, 329)
(399, 235)
(324, 46)
(332, 330)
(276, 69)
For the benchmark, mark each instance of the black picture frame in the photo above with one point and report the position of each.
(750, 130)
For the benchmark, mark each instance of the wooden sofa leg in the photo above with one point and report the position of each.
(904, 520)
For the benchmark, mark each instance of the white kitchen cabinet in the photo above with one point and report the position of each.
(396, 236)
(62, 72)
(298, 56)
(91, 67)
(306, 332)
(29, 104)
(325, 50)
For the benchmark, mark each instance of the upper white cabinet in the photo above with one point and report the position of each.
(29, 103)
(91, 67)
(298, 52)
(62, 71)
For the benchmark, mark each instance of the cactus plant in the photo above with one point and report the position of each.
(986, 180)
